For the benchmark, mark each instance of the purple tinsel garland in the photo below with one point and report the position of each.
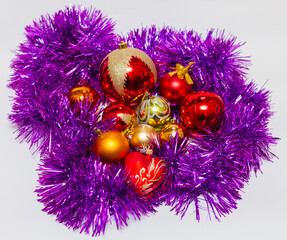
(65, 50)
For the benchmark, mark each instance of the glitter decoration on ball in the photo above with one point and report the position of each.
(154, 111)
(142, 137)
(174, 86)
(202, 112)
(112, 146)
(126, 74)
(145, 173)
(83, 184)
(125, 116)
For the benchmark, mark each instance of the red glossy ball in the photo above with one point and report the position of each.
(126, 74)
(145, 173)
(124, 114)
(173, 88)
(202, 112)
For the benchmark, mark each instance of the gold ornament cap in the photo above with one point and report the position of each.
(123, 45)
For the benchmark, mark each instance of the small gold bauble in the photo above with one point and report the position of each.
(170, 131)
(141, 137)
(154, 111)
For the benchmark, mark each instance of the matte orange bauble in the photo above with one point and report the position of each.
(126, 74)
(81, 94)
(145, 173)
(111, 146)
(202, 112)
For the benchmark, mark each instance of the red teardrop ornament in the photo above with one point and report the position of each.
(145, 173)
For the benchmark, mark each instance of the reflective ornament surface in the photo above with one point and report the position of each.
(111, 146)
(171, 130)
(154, 111)
(174, 86)
(145, 173)
(202, 112)
(125, 116)
(81, 94)
(126, 74)
(141, 137)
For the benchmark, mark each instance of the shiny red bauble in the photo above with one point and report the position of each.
(145, 173)
(173, 88)
(202, 112)
(125, 115)
(126, 74)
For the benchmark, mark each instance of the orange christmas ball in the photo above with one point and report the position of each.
(80, 94)
(126, 74)
(111, 146)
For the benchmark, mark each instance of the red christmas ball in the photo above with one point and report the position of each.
(125, 115)
(174, 88)
(126, 74)
(201, 112)
(145, 173)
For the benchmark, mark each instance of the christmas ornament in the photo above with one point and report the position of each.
(171, 130)
(154, 111)
(125, 116)
(142, 137)
(145, 173)
(111, 146)
(202, 112)
(126, 74)
(174, 86)
(84, 194)
(81, 94)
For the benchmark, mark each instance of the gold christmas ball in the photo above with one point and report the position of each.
(81, 94)
(141, 137)
(111, 146)
(170, 130)
(154, 111)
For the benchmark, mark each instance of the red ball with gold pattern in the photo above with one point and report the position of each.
(145, 173)
(125, 115)
(202, 112)
(126, 74)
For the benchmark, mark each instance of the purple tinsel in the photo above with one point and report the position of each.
(65, 50)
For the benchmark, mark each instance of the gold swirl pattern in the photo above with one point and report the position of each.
(148, 180)
(154, 111)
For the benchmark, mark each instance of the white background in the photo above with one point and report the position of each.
(262, 212)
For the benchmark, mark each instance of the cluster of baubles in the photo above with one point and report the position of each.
(128, 77)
